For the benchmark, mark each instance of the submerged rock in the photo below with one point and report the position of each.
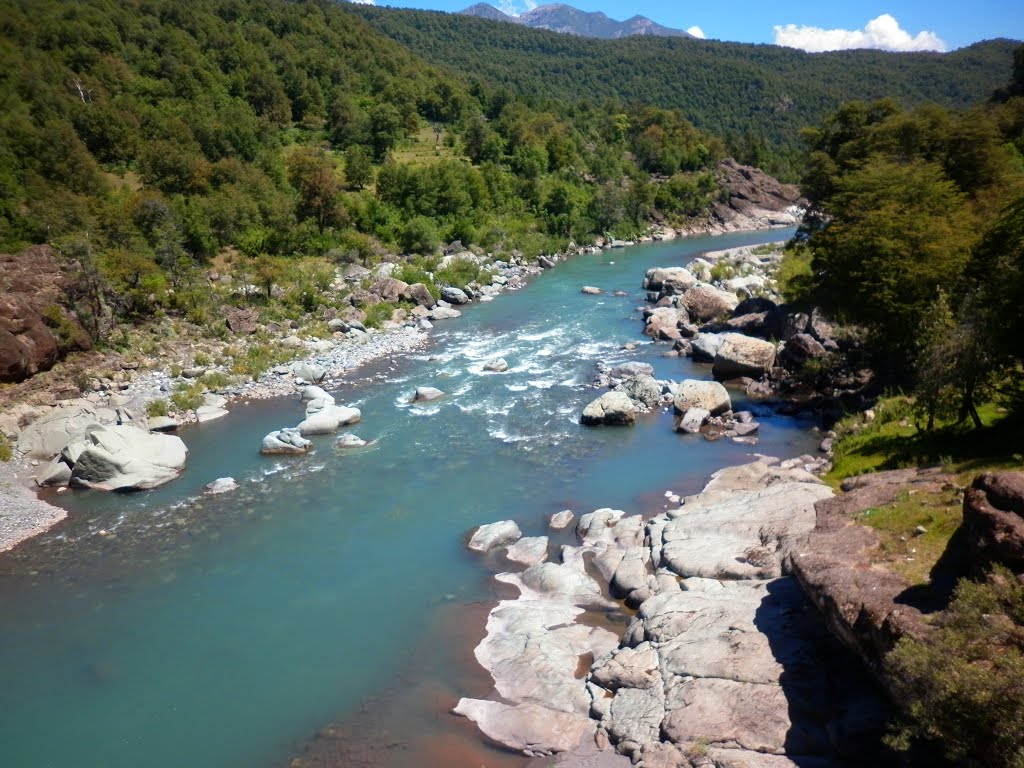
(497, 366)
(350, 441)
(222, 485)
(425, 394)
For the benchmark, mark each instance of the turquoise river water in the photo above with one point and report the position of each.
(335, 588)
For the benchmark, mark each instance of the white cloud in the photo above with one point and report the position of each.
(883, 32)
(696, 32)
(364, 2)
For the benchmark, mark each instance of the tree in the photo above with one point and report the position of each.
(358, 167)
(898, 233)
(313, 174)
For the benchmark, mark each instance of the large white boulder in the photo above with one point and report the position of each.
(494, 535)
(44, 438)
(327, 420)
(286, 442)
(126, 458)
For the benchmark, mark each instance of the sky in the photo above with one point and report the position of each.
(941, 25)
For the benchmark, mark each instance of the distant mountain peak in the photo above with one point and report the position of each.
(559, 17)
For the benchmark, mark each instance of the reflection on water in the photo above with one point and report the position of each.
(172, 628)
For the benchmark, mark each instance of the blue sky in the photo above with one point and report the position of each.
(906, 24)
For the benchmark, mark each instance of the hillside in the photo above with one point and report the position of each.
(757, 96)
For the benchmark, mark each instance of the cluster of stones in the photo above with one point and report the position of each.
(722, 660)
(700, 406)
(323, 417)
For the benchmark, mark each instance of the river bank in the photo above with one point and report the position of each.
(126, 398)
(259, 584)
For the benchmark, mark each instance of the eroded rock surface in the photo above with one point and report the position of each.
(725, 663)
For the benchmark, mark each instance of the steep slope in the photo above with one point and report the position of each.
(760, 96)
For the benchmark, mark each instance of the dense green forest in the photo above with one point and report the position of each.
(757, 97)
(916, 233)
(144, 137)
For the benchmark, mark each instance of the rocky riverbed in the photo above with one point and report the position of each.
(724, 661)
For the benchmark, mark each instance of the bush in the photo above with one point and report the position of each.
(377, 314)
(157, 407)
(419, 235)
(964, 686)
(187, 397)
(460, 273)
(5, 449)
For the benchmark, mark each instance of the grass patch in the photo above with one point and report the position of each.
(378, 314)
(422, 148)
(6, 452)
(903, 551)
(893, 441)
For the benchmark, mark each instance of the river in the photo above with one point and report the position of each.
(169, 628)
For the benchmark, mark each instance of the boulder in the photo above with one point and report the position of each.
(56, 472)
(798, 349)
(419, 293)
(390, 289)
(285, 442)
(425, 394)
(708, 395)
(312, 392)
(205, 413)
(743, 356)
(309, 372)
(492, 535)
(666, 323)
(669, 280)
(126, 458)
(162, 424)
(497, 366)
(705, 346)
(612, 408)
(705, 302)
(994, 519)
(241, 320)
(642, 388)
(454, 295)
(221, 485)
(44, 438)
(338, 325)
(590, 290)
(327, 420)
(349, 441)
(560, 520)
(529, 550)
(444, 313)
(632, 368)
(692, 420)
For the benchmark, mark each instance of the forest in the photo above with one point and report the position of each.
(755, 97)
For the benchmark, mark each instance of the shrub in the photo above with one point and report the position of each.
(187, 397)
(5, 449)
(962, 686)
(216, 380)
(157, 407)
(377, 314)
(460, 273)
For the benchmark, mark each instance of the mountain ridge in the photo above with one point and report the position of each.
(566, 19)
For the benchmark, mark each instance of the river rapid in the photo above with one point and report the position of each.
(172, 628)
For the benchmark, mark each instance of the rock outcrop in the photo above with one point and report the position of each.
(994, 520)
(724, 657)
(35, 329)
